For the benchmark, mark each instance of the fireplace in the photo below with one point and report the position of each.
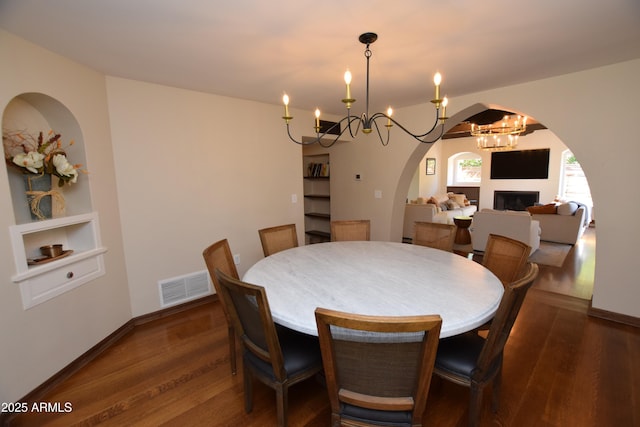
(514, 200)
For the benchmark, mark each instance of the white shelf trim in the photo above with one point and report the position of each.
(41, 269)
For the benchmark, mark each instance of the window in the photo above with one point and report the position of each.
(465, 169)
(573, 182)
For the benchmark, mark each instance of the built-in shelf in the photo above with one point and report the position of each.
(319, 234)
(318, 215)
(41, 282)
(317, 198)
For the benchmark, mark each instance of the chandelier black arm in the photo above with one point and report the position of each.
(351, 119)
(418, 137)
(437, 137)
(320, 136)
(382, 140)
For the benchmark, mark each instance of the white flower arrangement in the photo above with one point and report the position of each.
(37, 156)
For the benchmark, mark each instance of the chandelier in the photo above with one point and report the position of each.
(367, 121)
(499, 137)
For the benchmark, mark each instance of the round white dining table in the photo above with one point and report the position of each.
(376, 278)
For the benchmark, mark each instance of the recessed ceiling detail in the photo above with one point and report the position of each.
(486, 117)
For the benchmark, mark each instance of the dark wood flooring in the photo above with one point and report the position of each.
(561, 368)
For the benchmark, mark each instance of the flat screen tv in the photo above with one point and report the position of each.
(523, 164)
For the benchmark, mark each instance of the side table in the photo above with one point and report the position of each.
(462, 242)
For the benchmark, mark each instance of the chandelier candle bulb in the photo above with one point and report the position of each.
(389, 113)
(285, 100)
(317, 120)
(347, 80)
(445, 102)
(437, 79)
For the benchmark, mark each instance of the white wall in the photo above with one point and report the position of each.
(38, 342)
(191, 169)
(433, 184)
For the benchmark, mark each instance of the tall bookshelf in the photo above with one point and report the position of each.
(317, 198)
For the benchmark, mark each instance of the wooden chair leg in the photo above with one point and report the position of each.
(475, 404)
(232, 350)
(248, 388)
(335, 420)
(282, 404)
(497, 383)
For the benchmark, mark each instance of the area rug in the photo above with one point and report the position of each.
(552, 254)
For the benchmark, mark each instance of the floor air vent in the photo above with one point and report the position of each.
(184, 288)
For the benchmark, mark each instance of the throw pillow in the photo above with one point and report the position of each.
(549, 208)
(441, 198)
(458, 198)
(443, 206)
(569, 208)
(451, 204)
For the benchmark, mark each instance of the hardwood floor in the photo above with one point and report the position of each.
(575, 277)
(561, 368)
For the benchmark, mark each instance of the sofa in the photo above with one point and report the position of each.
(448, 206)
(518, 225)
(561, 223)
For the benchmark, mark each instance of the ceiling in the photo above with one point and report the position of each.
(257, 50)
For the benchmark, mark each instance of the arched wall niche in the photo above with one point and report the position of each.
(33, 113)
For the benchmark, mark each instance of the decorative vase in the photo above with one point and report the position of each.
(38, 191)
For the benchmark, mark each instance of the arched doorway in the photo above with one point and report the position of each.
(446, 151)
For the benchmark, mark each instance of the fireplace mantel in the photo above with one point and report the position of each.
(514, 200)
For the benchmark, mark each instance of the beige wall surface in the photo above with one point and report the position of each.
(191, 169)
(38, 342)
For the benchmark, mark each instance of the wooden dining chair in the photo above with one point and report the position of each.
(279, 238)
(218, 255)
(505, 257)
(476, 362)
(277, 356)
(377, 368)
(344, 230)
(434, 235)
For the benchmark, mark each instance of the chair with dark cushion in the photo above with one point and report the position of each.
(344, 230)
(476, 362)
(378, 369)
(279, 238)
(505, 257)
(218, 255)
(434, 235)
(277, 356)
